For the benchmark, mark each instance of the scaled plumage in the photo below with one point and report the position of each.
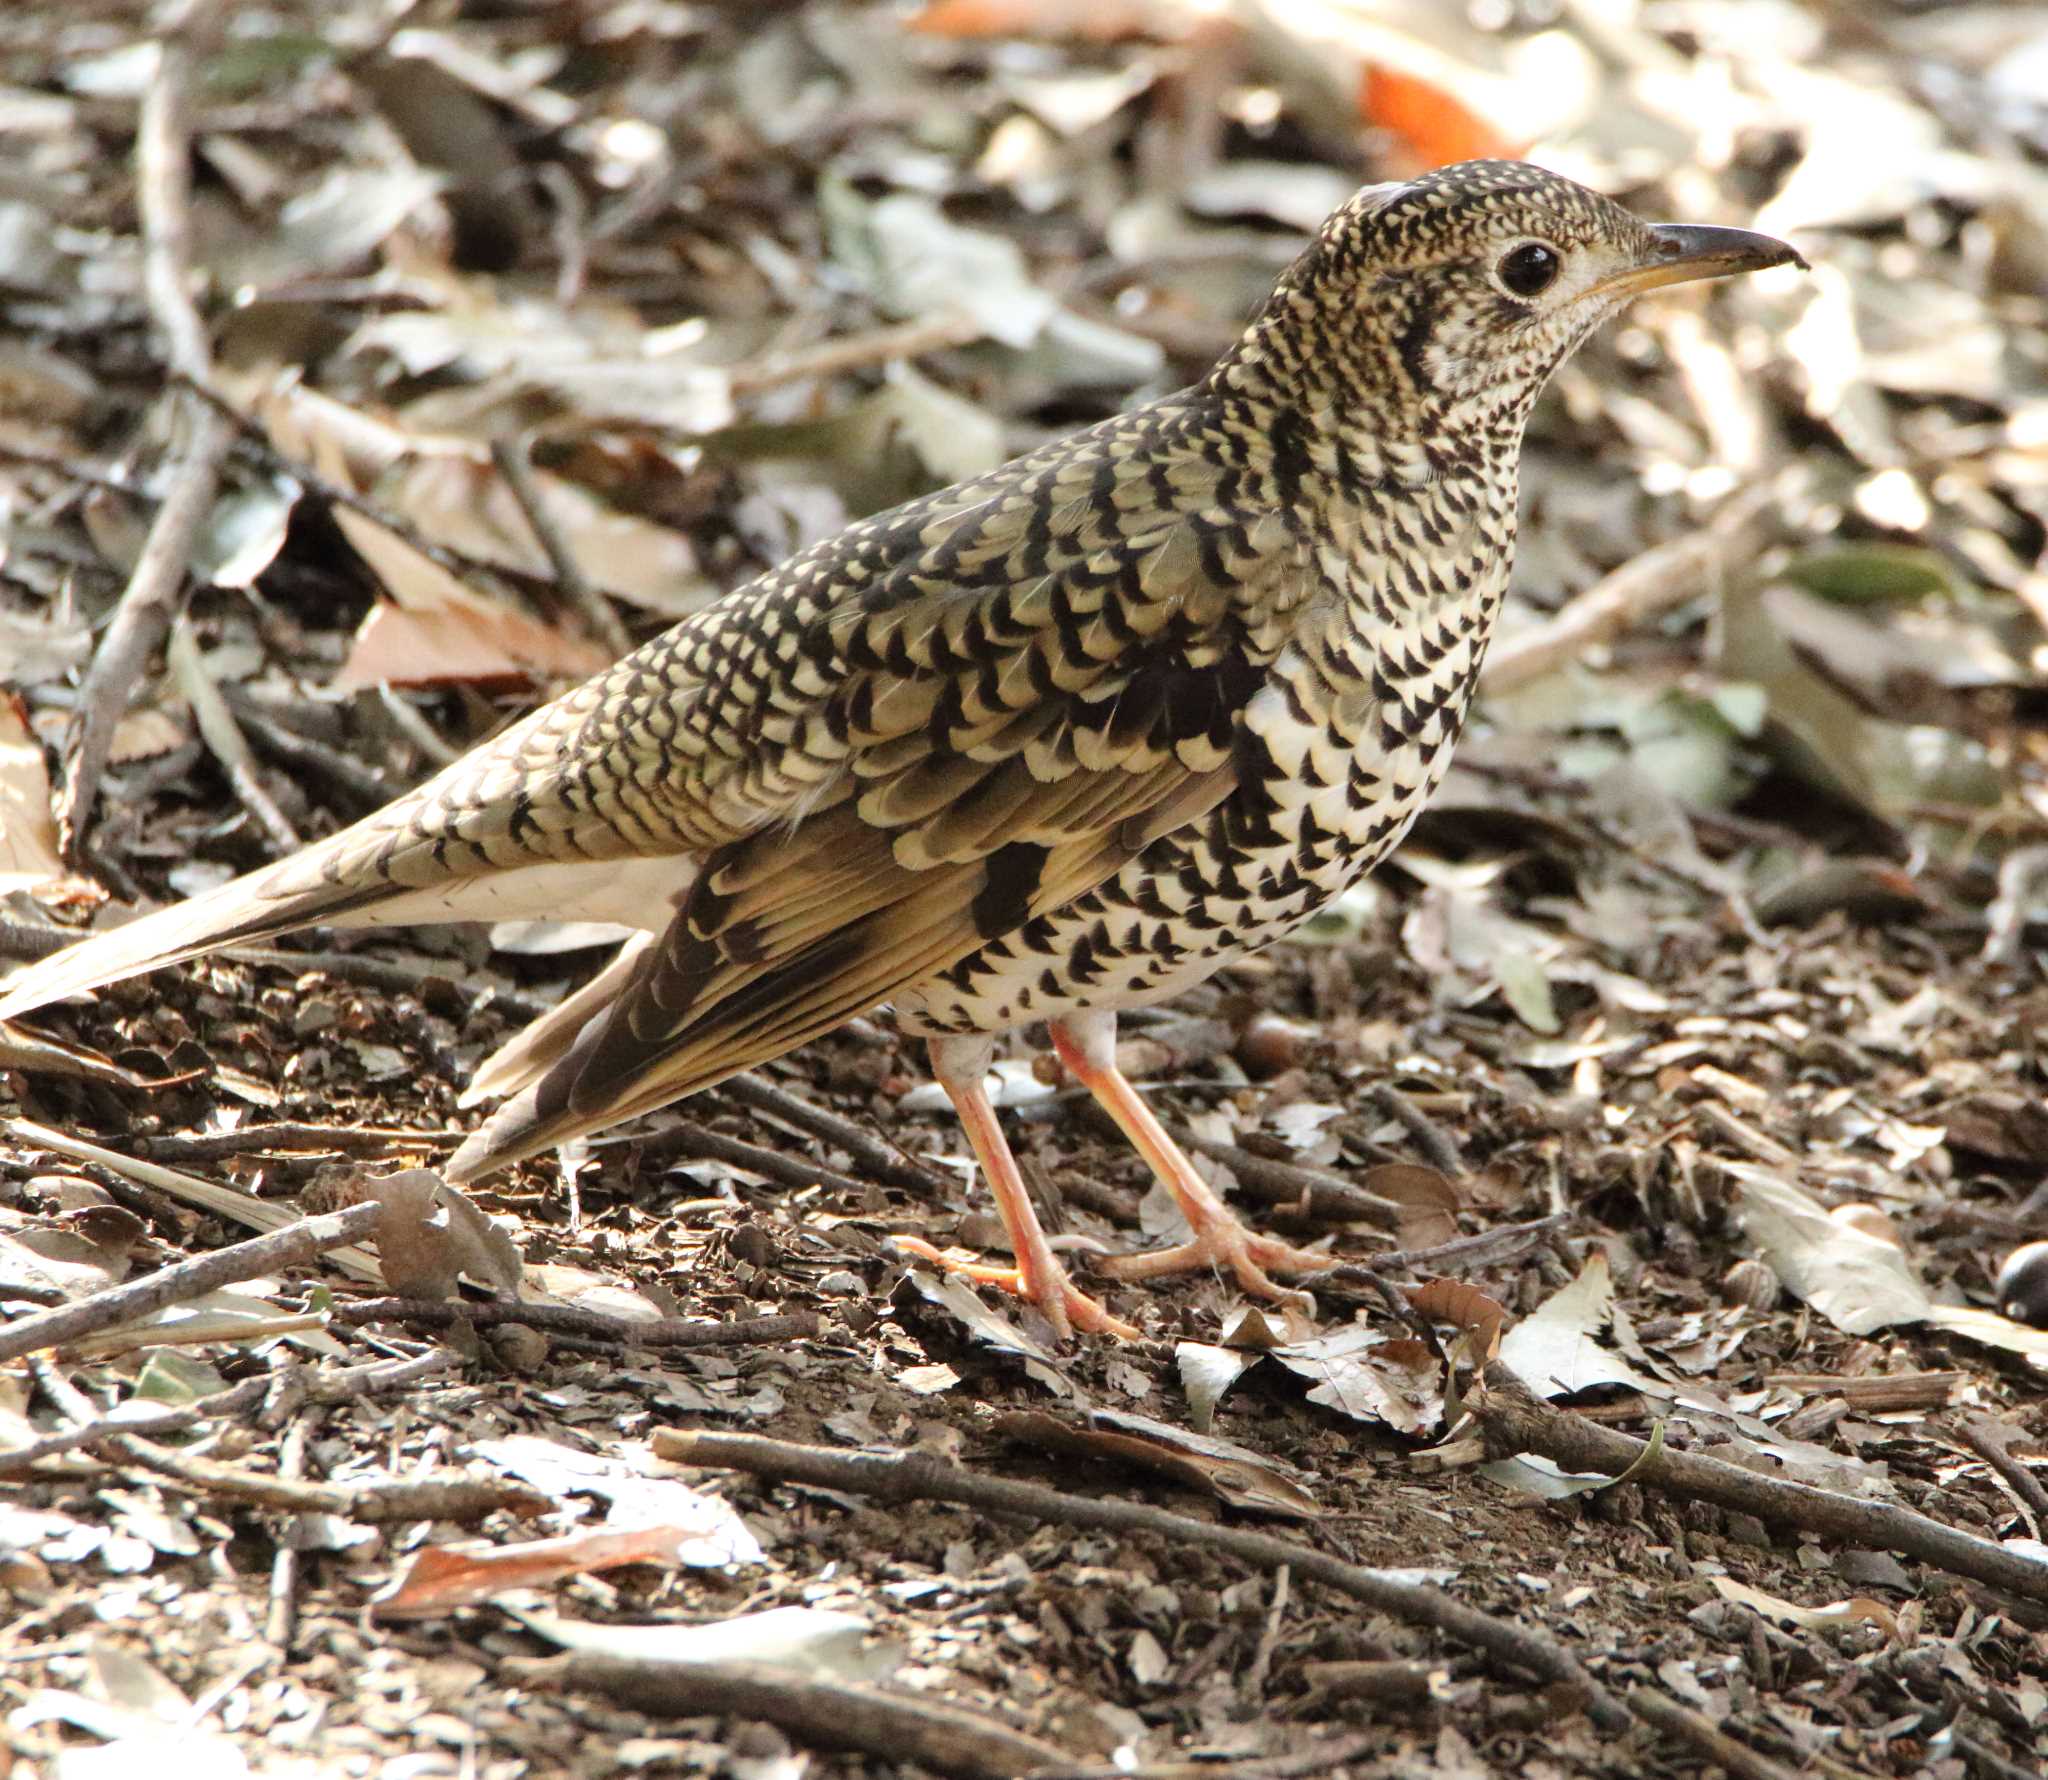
(1058, 740)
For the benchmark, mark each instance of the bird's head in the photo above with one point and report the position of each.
(1464, 289)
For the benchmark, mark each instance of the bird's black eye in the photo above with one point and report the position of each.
(1530, 269)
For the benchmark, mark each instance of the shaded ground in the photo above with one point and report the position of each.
(1731, 914)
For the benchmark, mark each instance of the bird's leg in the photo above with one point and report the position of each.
(961, 1065)
(1087, 1046)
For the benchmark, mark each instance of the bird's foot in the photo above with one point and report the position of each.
(1062, 1303)
(1220, 1241)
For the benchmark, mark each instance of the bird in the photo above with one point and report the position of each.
(1060, 740)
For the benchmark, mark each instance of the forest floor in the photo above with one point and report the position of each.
(1674, 1095)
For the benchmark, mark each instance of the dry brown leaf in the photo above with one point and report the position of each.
(470, 642)
(1466, 1308)
(28, 830)
(1429, 1200)
(444, 1577)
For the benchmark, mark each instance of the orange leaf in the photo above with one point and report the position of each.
(1090, 21)
(1465, 1307)
(1434, 127)
(442, 1577)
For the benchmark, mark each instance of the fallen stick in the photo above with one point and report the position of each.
(373, 1502)
(156, 586)
(292, 1246)
(1663, 576)
(1514, 1421)
(914, 1477)
(671, 1333)
(336, 1387)
(900, 1728)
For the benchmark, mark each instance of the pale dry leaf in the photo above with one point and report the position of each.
(28, 829)
(1557, 1350)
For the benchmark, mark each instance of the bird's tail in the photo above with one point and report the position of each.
(259, 906)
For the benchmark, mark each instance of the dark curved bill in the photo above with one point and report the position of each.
(1683, 252)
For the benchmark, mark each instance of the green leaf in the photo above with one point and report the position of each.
(175, 1379)
(1873, 574)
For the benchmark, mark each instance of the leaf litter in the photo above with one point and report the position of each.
(1725, 924)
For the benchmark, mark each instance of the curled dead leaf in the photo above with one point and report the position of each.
(1466, 1308)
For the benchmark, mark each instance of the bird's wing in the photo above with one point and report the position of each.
(1054, 680)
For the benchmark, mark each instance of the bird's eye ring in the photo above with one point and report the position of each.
(1530, 269)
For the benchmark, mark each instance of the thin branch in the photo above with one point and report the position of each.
(1663, 576)
(1317, 1758)
(1317, 1193)
(870, 1152)
(156, 587)
(599, 617)
(904, 1729)
(909, 339)
(569, 1319)
(292, 1246)
(287, 1136)
(238, 1400)
(375, 1501)
(223, 735)
(1714, 1746)
(917, 1477)
(692, 1142)
(1439, 1149)
(1514, 1421)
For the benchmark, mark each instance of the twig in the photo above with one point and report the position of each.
(266, 1215)
(695, 1142)
(871, 1153)
(599, 618)
(930, 333)
(907, 1729)
(912, 1477)
(282, 1617)
(1254, 1684)
(31, 940)
(291, 1246)
(337, 1387)
(210, 1146)
(380, 1500)
(156, 587)
(224, 736)
(1438, 1147)
(511, 585)
(374, 1503)
(1393, 1680)
(1503, 1243)
(363, 785)
(1986, 1436)
(1662, 576)
(1316, 1192)
(1514, 1421)
(569, 1319)
(401, 975)
(153, 595)
(1714, 1746)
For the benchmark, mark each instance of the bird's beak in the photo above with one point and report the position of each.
(1682, 252)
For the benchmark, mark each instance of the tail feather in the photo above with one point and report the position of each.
(248, 910)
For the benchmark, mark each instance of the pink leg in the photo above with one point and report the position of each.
(1087, 1046)
(1039, 1275)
